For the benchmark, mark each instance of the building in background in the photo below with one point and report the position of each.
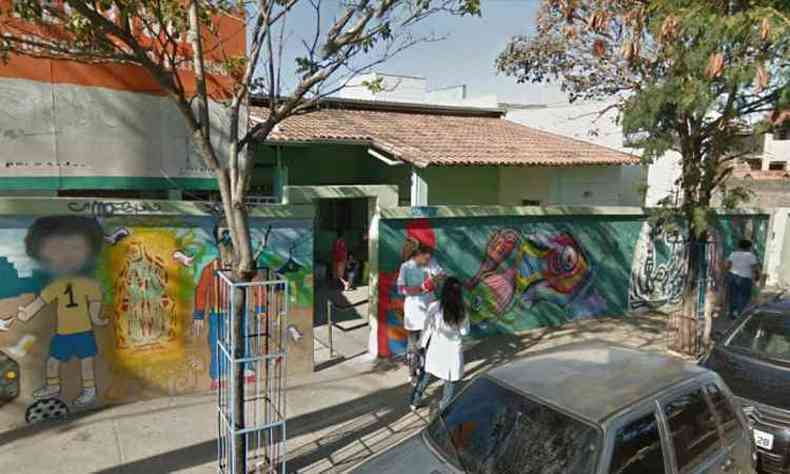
(765, 167)
(104, 130)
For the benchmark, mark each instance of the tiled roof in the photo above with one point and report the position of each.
(443, 137)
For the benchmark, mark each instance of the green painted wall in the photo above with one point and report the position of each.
(528, 271)
(326, 165)
(106, 182)
(461, 185)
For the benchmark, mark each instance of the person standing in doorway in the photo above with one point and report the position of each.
(340, 259)
(743, 270)
(445, 326)
(416, 282)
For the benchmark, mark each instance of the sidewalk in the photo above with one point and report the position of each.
(338, 416)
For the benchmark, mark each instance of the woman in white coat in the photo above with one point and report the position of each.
(445, 326)
(416, 284)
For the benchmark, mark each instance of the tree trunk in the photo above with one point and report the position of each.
(685, 322)
(238, 379)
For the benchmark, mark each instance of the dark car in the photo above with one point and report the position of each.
(753, 357)
(583, 408)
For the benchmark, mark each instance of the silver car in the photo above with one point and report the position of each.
(583, 408)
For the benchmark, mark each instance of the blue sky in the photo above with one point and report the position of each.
(466, 56)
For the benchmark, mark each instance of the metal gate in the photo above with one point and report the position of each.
(251, 413)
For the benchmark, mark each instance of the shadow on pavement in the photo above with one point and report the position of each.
(347, 433)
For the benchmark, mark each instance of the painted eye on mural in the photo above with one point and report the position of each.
(568, 258)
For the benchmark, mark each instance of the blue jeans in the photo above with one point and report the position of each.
(422, 384)
(740, 293)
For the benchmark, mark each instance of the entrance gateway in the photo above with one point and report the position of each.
(353, 315)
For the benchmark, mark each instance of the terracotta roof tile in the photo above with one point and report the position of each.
(443, 139)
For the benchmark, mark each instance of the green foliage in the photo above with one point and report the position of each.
(375, 86)
(689, 76)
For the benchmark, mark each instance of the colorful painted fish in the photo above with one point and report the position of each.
(549, 267)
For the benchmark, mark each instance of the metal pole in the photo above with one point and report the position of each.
(330, 323)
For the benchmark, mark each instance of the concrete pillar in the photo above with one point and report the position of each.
(777, 224)
(419, 190)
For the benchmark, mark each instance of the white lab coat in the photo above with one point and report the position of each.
(415, 307)
(444, 357)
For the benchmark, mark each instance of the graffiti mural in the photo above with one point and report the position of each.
(521, 272)
(658, 274)
(123, 307)
(548, 267)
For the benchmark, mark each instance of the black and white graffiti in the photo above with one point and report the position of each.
(112, 208)
(658, 272)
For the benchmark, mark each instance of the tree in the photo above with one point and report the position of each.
(684, 75)
(179, 43)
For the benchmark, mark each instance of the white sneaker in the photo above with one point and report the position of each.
(47, 391)
(87, 397)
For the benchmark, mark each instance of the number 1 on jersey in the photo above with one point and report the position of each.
(70, 292)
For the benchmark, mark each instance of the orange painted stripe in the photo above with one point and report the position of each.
(229, 42)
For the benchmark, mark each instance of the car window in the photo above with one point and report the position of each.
(692, 429)
(724, 409)
(637, 448)
(764, 334)
(492, 429)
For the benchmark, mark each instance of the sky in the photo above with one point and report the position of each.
(465, 56)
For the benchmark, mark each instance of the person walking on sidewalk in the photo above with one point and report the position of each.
(416, 282)
(742, 271)
(445, 327)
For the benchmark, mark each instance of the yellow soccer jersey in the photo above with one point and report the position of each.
(73, 295)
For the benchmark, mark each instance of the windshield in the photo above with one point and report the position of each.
(491, 429)
(764, 334)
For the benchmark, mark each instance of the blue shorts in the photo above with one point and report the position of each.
(65, 346)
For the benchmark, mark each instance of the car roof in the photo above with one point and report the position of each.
(594, 379)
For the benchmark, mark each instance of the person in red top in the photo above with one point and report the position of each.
(339, 259)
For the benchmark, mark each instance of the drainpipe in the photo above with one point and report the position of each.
(280, 175)
(419, 189)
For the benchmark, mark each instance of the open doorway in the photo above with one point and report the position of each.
(341, 313)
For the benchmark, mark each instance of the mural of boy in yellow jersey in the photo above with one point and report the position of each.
(65, 246)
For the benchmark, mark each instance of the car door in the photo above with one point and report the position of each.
(734, 428)
(637, 446)
(690, 426)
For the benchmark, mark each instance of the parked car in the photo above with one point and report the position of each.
(753, 358)
(583, 408)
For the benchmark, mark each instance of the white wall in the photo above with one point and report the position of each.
(395, 88)
(584, 122)
(775, 150)
(64, 130)
(570, 186)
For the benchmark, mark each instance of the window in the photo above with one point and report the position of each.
(776, 166)
(490, 429)
(637, 448)
(765, 335)
(723, 407)
(693, 429)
